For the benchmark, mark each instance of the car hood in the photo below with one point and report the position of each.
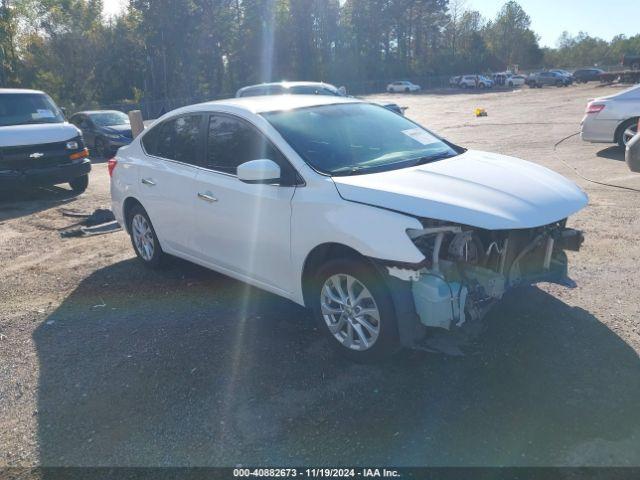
(32, 134)
(475, 188)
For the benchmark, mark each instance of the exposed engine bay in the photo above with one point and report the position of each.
(467, 270)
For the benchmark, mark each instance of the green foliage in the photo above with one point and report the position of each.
(584, 50)
(179, 49)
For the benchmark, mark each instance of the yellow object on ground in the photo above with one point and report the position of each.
(481, 112)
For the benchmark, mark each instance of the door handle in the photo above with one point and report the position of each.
(146, 181)
(207, 197)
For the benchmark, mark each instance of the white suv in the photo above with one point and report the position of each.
(377, 225)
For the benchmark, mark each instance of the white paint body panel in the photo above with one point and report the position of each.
(601, 127)
(263, 234)
(17, 135)
(480, 189)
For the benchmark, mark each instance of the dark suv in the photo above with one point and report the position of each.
(585, 75)
(541, 79)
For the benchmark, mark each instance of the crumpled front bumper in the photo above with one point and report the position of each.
(425, 298)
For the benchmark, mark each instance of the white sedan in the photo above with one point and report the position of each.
(612, 119)
(403, 86)
(515, 81)
(378, 226)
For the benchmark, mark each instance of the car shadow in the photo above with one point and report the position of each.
(21, 202)
(612, 153)
(187, 367)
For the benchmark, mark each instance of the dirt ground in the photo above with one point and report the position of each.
(105, 363)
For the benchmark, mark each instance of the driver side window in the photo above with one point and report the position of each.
(232, 142)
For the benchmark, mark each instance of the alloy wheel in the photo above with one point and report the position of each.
(350, 312)
(629, 133)
(143, 237)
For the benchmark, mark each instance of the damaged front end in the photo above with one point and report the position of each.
(467, 270)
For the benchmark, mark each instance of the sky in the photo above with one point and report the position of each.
(549, 18)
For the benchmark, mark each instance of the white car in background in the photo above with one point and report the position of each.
(378, 226)
(612, 119)
(516, 80)
(475, 81)
(403, 86)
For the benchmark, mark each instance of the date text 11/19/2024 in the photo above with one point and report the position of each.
(315, 473)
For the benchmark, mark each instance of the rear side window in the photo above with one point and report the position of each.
(178, 139)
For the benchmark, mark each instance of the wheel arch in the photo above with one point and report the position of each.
(621, 126)
(321, 254)
(127, 205)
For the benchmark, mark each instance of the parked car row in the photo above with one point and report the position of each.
(555, 77)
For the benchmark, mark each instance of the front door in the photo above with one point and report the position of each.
(243, 228)
(167, 176)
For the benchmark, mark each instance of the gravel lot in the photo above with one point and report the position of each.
(105, 363)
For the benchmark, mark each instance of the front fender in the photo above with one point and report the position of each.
(371, 231)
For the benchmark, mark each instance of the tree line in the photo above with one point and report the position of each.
(159, 49)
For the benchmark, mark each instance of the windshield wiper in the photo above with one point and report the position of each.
(433, 158)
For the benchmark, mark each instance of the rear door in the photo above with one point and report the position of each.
(174, 150)
(244, 228)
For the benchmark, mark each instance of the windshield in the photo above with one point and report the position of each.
(109, 119)
(26, 108)
(355, 138)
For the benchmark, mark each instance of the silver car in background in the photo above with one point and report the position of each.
(612, 119)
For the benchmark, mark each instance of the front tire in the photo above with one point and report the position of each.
(353, 307)
(143, 238)
(79, 184)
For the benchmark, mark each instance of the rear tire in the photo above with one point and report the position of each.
(143, 238)
(622, 134)
(79, 184)
(363, 321)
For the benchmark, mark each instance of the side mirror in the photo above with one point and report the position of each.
(259, 171)
(342, 91)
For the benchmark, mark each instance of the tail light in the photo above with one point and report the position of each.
(594, 107)
(111, 165)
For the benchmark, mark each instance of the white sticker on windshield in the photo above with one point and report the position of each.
(419, 135)
(43, 113)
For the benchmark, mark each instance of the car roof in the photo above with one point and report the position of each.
(93, 112)
(20, 90)
(286, 84)
(267, 103)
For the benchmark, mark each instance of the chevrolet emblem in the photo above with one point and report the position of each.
(36, 155)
